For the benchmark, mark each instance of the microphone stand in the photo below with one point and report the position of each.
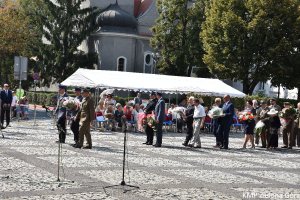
(123, 183)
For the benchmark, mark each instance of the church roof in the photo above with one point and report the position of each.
(141, 6)
(116, 17)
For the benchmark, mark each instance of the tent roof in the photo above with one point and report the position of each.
(149, 82)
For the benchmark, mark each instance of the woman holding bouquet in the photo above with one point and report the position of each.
(249, 121)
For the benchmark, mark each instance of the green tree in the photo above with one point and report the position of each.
(15, 37)
(176, 37)
(64, 26)
(246, 40)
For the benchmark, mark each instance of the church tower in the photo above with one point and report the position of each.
(127, 5)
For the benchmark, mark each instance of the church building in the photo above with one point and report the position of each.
(123, 37)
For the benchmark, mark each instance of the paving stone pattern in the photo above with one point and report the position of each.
(29, 167)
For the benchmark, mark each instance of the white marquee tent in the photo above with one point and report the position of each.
(149, 82)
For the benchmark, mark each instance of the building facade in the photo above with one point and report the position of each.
(122, 40)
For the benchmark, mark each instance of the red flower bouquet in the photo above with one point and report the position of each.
(246, 116)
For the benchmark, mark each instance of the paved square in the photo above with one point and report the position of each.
(28, 167)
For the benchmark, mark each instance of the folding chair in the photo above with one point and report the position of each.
(236, 124)
(101, 119)
(208, 124)
(166, 124)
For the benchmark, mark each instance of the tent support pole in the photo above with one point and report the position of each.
(127, 96)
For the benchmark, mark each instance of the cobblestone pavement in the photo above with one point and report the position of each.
(28, 167)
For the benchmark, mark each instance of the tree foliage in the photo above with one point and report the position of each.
(176, 37)
(64, 26)
(14, 32)
(15, 37)
(249, 40)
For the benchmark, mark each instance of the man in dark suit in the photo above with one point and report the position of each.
(189, 112)
(148, 110)
(6, 99)
(75, 122)
(61, 112)
(160, 116)
(226, 122)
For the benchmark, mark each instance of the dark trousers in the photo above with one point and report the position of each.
(179, 123)
(273, 138)
(223, 135)
(150, 134)
(215, 128)
(61, 126)
(159, 133)
(288, 135)
(75, 129)
(6, 113)
(190, 130)
(296, 137)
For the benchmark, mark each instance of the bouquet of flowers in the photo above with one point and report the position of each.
(70, 104)
(215, 112)
(246, 117)
(151, 121)
(288, 113)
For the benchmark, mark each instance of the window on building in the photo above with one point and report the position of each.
(148, 59)
(122, 61)
(148, 62)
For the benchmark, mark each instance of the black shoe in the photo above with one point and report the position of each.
(87, 147)
(77, 146)
(145, 142)
(149, 143)
(58, 141)
(185, 144)
(157, 145)
(223, 147)
(2, 127)
(284, 147)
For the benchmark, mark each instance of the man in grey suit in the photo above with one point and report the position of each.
(160, 118)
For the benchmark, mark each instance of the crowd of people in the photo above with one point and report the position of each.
(261, 122)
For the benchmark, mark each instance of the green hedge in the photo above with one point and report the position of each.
(41, 98)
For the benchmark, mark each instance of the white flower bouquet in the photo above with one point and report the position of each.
(70, 104)
(215, 112)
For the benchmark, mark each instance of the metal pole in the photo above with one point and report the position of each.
(58, 160)
(34, 124)
(20, 86)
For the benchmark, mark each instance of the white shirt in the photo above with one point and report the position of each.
(14, 101)
(199, 111)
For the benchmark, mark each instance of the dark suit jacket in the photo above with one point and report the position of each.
(160, 111)
(189, 113)
(150, 106)
(60, 110)
(228, 110)
(6, 98)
